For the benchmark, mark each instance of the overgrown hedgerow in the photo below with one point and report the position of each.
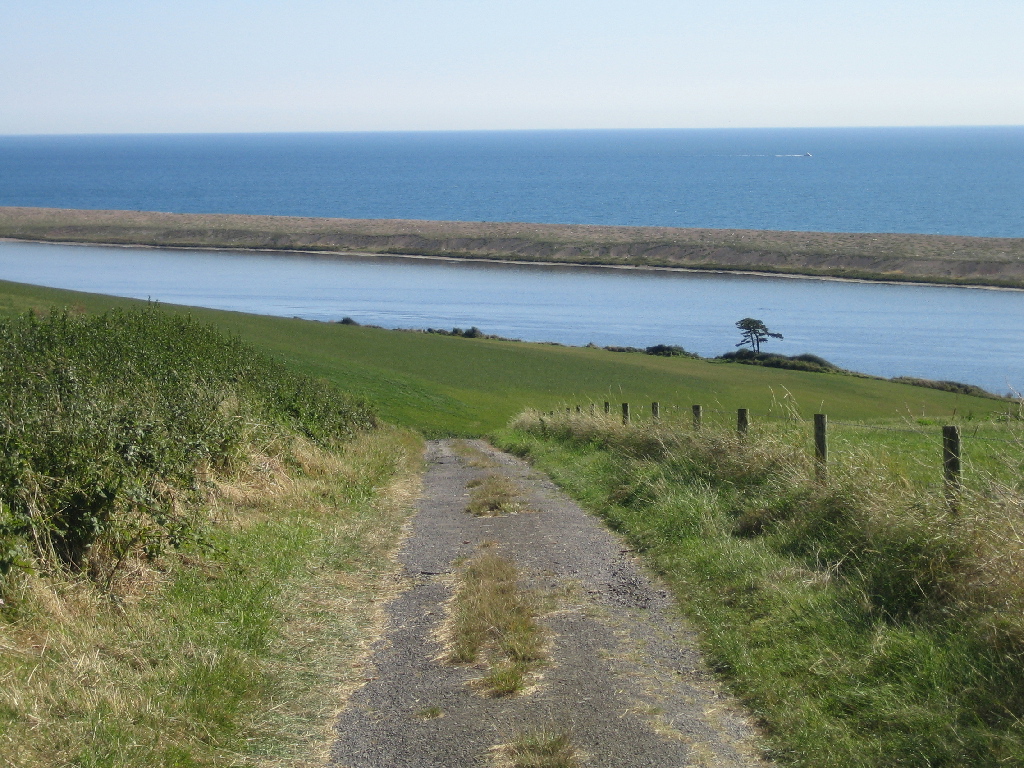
(107, 422)
(870, 622)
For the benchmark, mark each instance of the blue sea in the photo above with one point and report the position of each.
(965, 181)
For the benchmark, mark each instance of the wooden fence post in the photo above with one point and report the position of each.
(951, 468)
(607, 407)
(742, 421)
(656, 411)
(821, 445)
(697, 415)
(625, 413)
(593, 408)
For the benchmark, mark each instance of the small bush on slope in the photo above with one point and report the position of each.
(107, 422)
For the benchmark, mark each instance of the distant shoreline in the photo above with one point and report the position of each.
(900, 259)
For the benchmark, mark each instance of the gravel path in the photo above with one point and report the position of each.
(625, 678)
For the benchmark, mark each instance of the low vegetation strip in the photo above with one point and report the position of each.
(929, 258)
(867, 620)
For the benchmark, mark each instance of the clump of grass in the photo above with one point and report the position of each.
(430, 713)
(492, 619)
(493, 494)
(868, 621)
(542, 748)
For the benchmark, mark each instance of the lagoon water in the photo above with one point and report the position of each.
(959, 334)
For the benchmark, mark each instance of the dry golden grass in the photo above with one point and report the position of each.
(540, 748)
(494, 494)
(472, 455)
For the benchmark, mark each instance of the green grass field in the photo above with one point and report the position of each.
(448, 385)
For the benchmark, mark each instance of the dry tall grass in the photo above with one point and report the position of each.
(914, 550)
(238, 651)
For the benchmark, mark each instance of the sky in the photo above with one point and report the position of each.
(198, 66)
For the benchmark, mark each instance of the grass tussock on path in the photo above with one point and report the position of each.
(235, 652)
(865, 621)
(545, 748)
(492, 620)
(493, 494)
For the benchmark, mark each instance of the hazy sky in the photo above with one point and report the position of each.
(115, 66)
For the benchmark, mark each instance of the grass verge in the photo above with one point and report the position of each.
(492, 618)
(236, 652)
(862, 620)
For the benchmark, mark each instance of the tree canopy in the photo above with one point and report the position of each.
(754, 333)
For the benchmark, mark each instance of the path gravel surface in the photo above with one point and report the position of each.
(624, 677)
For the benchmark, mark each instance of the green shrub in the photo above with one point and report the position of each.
(106, 420)
(668, 350)
(804, 362)
(946, 386)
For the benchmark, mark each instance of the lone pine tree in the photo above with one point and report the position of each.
(755, 333)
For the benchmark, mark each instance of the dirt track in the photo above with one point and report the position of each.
(625, 678)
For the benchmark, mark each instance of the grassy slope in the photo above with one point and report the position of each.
(443, 384)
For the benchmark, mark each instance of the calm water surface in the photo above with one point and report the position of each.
(934, 332)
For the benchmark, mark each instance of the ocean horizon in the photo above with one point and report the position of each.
(954, 181)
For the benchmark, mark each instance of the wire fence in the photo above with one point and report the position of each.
(950, 436)
(914, 430)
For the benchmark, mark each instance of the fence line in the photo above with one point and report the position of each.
(800, 420)
(952, 439)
